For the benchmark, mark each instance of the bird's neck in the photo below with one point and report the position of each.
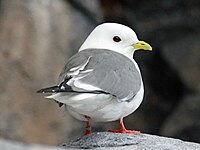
(129, 52)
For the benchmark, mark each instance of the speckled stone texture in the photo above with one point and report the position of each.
(120, 141)
(109, 141)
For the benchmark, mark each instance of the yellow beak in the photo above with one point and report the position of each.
(142, 45)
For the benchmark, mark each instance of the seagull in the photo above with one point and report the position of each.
(102, 82)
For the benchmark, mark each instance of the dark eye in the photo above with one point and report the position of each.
(116, 39)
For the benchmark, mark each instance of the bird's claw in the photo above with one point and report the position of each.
(125, 131)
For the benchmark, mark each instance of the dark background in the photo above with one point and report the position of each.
(38, 36)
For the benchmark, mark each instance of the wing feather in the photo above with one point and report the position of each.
(102, 70)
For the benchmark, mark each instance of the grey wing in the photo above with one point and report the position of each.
(102, 70)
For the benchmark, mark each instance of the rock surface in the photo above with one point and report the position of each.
(120, 141)
(110, 141)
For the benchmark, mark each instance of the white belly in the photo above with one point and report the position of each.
(99, 107)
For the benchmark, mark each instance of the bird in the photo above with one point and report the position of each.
(102, 82)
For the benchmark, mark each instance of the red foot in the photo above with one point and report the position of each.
(88, 128)
(87, 132)
(123, 129)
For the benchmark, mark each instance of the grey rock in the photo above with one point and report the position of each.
(110, 141)
(120, 141)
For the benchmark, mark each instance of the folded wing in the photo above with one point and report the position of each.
(101, 71)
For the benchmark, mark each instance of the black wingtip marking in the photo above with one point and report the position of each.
(59, 103)
(67, 88)
(53, 89)
(40, 91)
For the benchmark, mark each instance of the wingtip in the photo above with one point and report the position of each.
(52, 89)
(40, 91)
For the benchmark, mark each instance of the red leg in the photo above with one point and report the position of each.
(88, 127)
(123, 129)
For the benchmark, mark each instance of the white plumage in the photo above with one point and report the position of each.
(102, 82)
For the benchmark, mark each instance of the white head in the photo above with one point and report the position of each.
(115, 37)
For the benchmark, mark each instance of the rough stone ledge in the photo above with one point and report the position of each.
(110, 141)
(122, 141)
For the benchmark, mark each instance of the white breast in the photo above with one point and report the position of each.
(99, 107)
